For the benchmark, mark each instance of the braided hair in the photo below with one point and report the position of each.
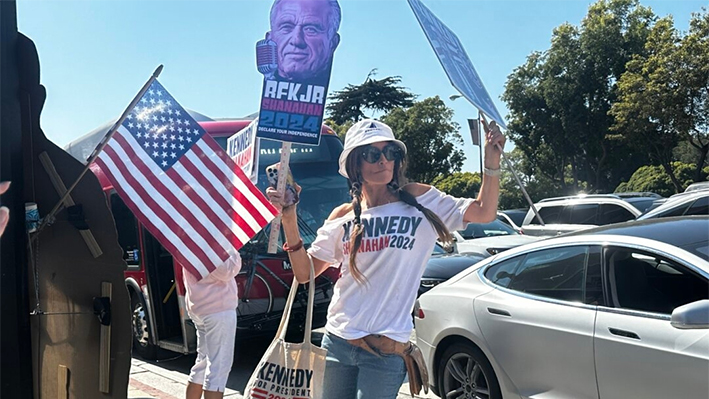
(352, 166)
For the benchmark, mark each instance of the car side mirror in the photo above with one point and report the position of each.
(691, 316)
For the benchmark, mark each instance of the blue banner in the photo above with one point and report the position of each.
(455, 61)
(295, 58)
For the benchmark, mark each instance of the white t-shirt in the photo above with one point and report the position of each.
(396, 245)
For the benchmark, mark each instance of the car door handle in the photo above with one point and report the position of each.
(623, 333)
(499, 312)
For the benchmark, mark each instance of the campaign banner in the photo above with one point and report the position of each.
(455, 61)
(295, 58)
(242, 147)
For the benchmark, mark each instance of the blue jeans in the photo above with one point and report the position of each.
(353, 373)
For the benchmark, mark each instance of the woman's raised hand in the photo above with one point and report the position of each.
(494, 143)
(277, 199)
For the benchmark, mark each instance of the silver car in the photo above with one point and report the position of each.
(487, 239)
(682, 204)
(618, 311)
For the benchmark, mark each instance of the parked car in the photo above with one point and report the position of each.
(444, 265)
(513, 217)
(619, 311)
(643, 201)
(683, 204)
(700, 185)
(566, 214)
(487, 239)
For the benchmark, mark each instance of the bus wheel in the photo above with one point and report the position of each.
(141, 328)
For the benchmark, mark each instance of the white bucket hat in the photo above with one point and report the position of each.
(365, 132)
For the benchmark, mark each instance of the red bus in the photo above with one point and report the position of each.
(154, 281)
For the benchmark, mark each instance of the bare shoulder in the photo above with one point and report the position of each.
(416, 189)
(340, 211)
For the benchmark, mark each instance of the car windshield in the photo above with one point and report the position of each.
(315, 169)
(492, 229)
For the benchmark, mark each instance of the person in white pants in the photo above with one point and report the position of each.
(211, 304)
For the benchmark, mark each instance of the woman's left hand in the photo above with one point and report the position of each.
(494, 144)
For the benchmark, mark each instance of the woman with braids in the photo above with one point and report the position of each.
(382, 242)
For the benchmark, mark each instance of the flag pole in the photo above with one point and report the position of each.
(514, 173)
(480, 142)
(47, 219)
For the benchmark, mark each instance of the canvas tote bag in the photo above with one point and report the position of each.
(290, 370)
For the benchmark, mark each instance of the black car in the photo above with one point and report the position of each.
(444, 265)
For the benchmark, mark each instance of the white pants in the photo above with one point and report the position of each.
(215, 350)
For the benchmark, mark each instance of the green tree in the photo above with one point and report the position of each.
(687, 152)
(339, 129)
(650, 111)
(693, 54)
(431, 137)
(654, 178)
(560, 98)
(382, 95)
(459, 184)
(663, 97)
(538, 186)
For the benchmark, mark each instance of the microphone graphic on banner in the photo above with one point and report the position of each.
(267, 57)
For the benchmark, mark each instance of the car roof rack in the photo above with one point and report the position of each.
(580, 196)
(637, 194)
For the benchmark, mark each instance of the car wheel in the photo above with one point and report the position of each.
(465, 372)
(140, 325)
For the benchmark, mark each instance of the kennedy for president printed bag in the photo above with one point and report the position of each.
(290, 370)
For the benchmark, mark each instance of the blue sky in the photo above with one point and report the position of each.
(95, 55)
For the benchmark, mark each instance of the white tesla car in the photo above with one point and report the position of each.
(620, 311)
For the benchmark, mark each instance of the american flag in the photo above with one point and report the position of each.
(181, 185)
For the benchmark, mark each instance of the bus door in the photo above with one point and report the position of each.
(162, 288)
(157, 294)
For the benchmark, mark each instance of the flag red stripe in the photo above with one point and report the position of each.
(226, 180)
(145, 221)
(218, 222)
(170, 197)
(157, 208)
(209, 141)
(217, 196)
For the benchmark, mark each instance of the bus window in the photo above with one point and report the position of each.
(127, 231)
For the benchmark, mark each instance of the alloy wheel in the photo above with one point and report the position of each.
(464, 378)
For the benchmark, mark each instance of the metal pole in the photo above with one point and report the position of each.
(514, 173)
(98, 150)
(480, 143)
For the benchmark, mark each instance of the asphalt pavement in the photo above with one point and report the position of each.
(166, 378)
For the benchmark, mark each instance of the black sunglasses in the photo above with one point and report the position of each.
(391, 152)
